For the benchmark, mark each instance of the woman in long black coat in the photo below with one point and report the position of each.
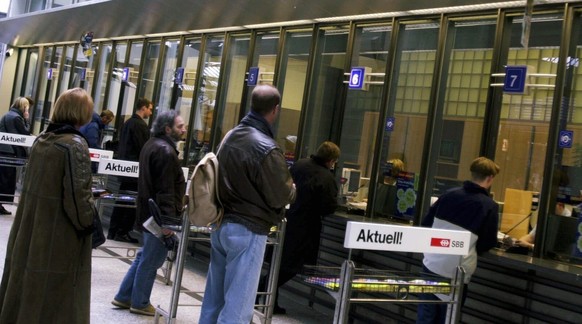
(317, 193)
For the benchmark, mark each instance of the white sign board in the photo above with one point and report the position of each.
(185, 170)
(16, 139)
(374, 236)
(96, 154)
(119, 168)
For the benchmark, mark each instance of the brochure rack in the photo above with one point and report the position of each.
(383, 286)
(263, 311)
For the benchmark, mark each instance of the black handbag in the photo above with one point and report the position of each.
(98, 236)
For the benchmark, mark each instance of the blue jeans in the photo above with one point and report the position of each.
(236, 259)
(138, 282)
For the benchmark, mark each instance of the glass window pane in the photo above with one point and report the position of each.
(523, 133)
(185, 93)
(169, 64)
(292, 78)
(102, 75)
(327, 88)
(233, 84)
(406, 117)
(116, 81)
(266, 50)
(361, 114)
(84, 67)
(205, 101)
(39, 112)
(148, 74)
(66, 69)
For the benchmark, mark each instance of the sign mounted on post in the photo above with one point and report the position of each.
(125, 75)
(565, 139)
(179, 75)
(357, 76)
(253, 77)
(515, 77)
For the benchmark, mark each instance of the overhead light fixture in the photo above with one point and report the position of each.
(280, 24)
(216, 30)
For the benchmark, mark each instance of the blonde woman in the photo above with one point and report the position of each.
(13, 122)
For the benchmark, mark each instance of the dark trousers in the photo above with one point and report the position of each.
(434, 313)
(122, 218)
(7, 184)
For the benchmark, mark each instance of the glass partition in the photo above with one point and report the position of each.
(185, 92)
(361, 115)
(67, 68)
(405, 123)
(292, 80)
(524, 125)
(148, 74)
(84, 68)
(233, 85)
(265, 58)
(169, 64)
(43, 93)
(102, 75)
(200, 130)
(462, 110)
(324, 102)
(116, 81)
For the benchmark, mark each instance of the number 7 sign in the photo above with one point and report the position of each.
(515, 77)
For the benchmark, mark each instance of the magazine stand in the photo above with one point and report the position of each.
(398, 287)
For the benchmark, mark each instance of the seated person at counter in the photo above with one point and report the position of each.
(386, 196)
(528, 240)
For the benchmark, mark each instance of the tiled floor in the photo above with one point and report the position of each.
(108, 272)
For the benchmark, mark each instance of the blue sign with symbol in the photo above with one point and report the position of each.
(83, 74)
(389, 124)
(49, 74)
(125, 75)
(357, 78)
(179, 75)
(515, 77)
(565, 140)
(253, 76)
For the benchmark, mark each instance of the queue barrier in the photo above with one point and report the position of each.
(346, 284)
(194, 233)
(9, 161)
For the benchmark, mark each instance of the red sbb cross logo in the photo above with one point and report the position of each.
(94, 155)
(440, 242)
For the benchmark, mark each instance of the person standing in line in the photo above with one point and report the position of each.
(47, 271)
(161, 179)
(12, 122)
(254, 185)
(467, 208)
(134, 135)
(93, 131)
(317, 193)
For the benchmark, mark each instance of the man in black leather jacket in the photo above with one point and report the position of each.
(254, 187)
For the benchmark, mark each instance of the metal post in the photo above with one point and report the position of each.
(342, 306)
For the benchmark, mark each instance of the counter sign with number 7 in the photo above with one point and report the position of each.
(515, 77)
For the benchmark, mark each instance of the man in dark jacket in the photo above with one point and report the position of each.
(160, 178)
(134, 135)
(13, 122)
(316, 197)
(93, 131)
(254, 187)
(466, 208)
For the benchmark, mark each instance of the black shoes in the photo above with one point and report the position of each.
(3, 211)
(125, 238)
(279, 310)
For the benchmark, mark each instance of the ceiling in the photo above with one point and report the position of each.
(122, 18)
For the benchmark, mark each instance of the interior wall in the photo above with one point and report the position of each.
(7, 81)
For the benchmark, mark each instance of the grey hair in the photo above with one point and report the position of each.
(163, 119)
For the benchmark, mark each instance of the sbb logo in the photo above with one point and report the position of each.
(440, 242)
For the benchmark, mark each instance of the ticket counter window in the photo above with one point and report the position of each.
(361, 115)
(405, 123)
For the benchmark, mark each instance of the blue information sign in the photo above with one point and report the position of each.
(253, 76)
(515, 77)
(179, 75)
(49, 74)
(565, 140)
(389, 124)
(83, 74)
(125, 75)
(357, 78)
